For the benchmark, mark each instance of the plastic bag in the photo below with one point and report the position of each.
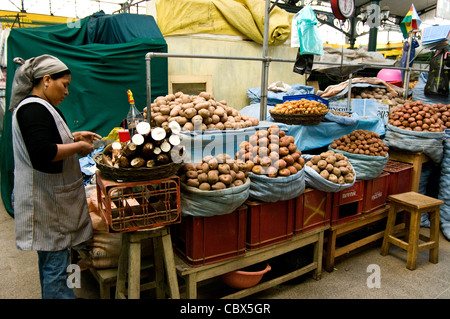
(196, 202)
(418, 92)
(314, 180)
(303, 64)
(429, 143)
(344, 120)
(365, 166)
(437, 83)
(308, 31)
(269, 189)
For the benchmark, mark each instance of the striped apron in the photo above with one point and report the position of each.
(50, 210)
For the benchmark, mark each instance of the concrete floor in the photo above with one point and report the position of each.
(19, 278)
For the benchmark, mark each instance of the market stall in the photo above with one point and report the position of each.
(233, 214)
(234, 189)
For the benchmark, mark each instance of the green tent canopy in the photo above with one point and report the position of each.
(106, 55)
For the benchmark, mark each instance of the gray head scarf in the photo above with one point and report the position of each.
(30, 70)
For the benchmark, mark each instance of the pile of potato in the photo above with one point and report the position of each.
(361, 142)
(416, 116)
(302, 106)
(197, 112)
(214, 173)
(271, 152)
(377, 94)
(333, 166)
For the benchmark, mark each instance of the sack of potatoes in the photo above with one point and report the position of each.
(271, 152)
(417, 116)
(362, 142)
(215, 173)
(197, 112)
(332, 166)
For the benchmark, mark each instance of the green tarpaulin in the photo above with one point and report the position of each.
(106, 55)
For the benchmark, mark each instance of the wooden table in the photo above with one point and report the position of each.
(335, 231)
(194, 275)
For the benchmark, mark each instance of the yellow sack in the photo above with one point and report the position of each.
(223, 17)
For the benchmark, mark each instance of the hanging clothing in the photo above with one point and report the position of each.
(51, 210)
(404, 58)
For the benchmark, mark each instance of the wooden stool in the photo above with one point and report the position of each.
(130, 262)
(415, 204)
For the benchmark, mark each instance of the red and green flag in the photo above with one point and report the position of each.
(410, 22)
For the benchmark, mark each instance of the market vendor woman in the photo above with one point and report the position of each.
(50, 207)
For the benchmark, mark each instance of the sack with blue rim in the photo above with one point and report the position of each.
(444, 189)
(196, 202)
(429, 143)
(314, 180)
(274, 189)
(366, 167)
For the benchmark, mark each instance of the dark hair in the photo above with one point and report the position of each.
(55, 76)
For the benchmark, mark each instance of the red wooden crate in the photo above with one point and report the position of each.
(375, 192)
(400, 177)
(313, 210)
(348, 203)
(269, 223)
(206, 240)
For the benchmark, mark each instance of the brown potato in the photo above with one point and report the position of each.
(292, 169)
(322, 164)
(213, 176)
(205, 186)
(283, 151)
(192, 174)
(192, 182)
(218, 186)
(324, 174)
(284, 172)
(225, 178)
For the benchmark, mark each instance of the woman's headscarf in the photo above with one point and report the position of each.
(30, 70)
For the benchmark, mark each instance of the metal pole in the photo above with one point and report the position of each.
(349, 96)
(408, 69)
(375, 23)
(265, 64)
(263, 106)
(150, 55)
(149, 88)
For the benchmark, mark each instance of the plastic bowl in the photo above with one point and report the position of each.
(241, 279)
(390, 75)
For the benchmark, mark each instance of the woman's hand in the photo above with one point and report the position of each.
(86, 136)
(84, 148)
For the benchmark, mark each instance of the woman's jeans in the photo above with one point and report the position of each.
(53, 274)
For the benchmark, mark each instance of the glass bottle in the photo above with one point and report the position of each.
(133, 116)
